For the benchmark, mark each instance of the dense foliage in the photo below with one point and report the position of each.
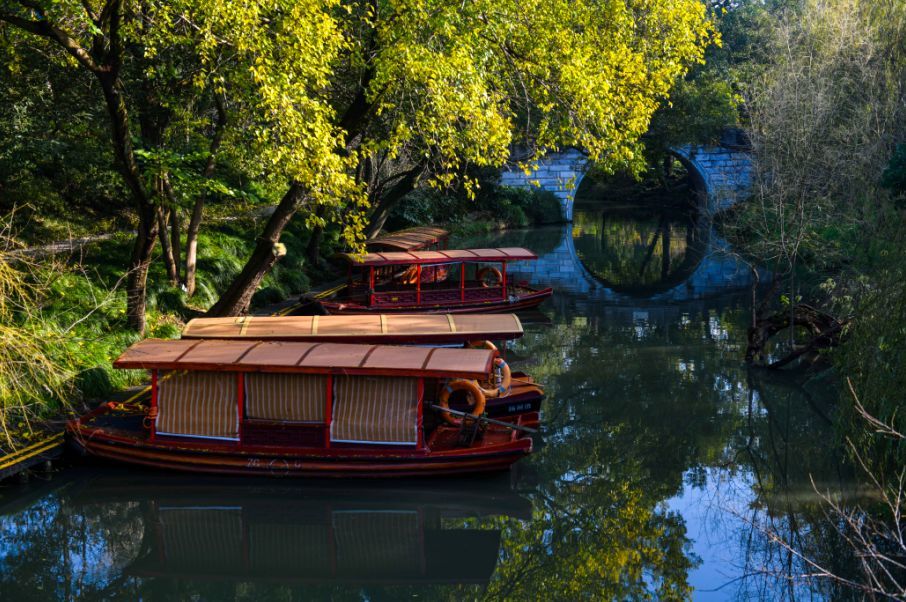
(337, 108)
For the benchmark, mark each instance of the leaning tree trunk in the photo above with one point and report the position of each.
(825, 331)
(386, 201)
(236, 299)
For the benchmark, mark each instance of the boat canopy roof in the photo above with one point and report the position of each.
(440, 257)
(306, 357)
(409, 328)
(409, 239)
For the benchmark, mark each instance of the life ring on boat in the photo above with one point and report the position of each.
(473, 390)
(504, 381)
(498, 277)
(482, 345)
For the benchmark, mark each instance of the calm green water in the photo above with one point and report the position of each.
(661, 464)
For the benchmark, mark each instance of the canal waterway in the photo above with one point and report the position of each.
(665, 468)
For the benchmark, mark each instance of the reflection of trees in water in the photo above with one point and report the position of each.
(632, 411)
(639, 252)
(52, 550)
(626, 416)
(788, 446)
(637, 412)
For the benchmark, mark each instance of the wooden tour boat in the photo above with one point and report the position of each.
(519, 393)
(305, 409)
(441, 281)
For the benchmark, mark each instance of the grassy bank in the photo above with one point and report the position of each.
(63, 319)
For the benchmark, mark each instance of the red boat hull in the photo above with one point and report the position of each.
(497, 450)
(527, 301)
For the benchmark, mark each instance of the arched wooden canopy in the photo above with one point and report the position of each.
(304, 357)
(411, 239)
(383, 328)
(440, 257)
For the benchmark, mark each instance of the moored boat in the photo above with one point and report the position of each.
(441, 281)
(305, 409)
(519, 393)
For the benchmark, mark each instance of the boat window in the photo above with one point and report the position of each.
(198, 404)
(286, 397)
(377, 409)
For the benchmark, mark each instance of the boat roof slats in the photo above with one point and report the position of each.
(361, 329)
(294, 356)
(410, 239)
(430, 257)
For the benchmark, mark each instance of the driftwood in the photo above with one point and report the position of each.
(825, 331)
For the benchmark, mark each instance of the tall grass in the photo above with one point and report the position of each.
(30, 368)
(62, 320)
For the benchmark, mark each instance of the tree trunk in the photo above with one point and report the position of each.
(236, 299)
(198, 208)
(385, 203)
(175, 234)
(167, 254)
(104, 61)
(313, 249)
(192, 244)
(136, 283)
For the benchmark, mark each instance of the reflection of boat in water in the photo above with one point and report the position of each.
(212, 528)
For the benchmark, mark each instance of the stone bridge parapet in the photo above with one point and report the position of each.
(723, 175)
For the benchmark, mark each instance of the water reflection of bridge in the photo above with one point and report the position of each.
(716, 273)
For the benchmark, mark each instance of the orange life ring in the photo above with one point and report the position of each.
(489, 270)
(474, 392)
(482, 345)
(502, 389)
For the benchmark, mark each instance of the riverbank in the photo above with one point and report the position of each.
(81, 301)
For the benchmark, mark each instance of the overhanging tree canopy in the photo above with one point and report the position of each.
(352, 103)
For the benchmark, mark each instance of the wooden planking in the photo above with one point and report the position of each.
(438, 257)
(410, 328)
(302, 357)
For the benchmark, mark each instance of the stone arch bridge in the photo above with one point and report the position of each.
(722, 175)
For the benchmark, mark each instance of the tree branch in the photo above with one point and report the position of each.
(52, 32)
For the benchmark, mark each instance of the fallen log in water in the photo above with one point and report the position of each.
(825, 331)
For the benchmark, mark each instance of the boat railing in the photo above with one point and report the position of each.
(429, 296)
